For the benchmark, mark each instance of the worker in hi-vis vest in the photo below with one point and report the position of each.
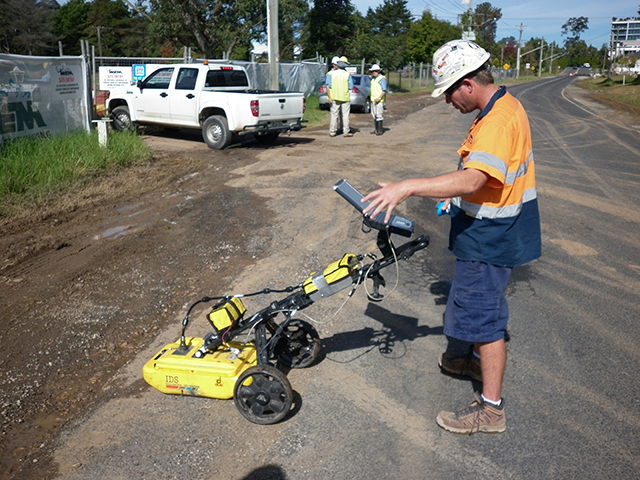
(378, 95)
(339, 84)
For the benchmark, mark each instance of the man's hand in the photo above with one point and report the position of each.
(455, 184)
(388, 197)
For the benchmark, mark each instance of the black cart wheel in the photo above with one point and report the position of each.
(215, 132)
(298, 345)
(263, 395)
(121, 119)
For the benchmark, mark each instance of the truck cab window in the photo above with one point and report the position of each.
(186, 79)
(226, 78)
(159, 79)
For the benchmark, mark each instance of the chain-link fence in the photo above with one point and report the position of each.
(303, 77)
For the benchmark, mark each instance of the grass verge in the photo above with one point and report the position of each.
(314, 116)
(33, 171)
(621, 93)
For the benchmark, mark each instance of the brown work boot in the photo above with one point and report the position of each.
(466, 365)
(480, 416)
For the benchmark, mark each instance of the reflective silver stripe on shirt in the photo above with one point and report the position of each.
(500, 165)
(484, 211)
(489, 160)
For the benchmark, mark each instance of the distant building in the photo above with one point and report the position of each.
(625, 36)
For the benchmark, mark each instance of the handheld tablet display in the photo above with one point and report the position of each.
(397, 224)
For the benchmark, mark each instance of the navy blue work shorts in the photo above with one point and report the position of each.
(477, 309)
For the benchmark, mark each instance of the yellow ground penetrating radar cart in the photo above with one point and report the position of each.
(251, 369)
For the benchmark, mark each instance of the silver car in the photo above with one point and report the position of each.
(360, 100)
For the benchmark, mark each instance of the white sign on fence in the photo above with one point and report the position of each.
(67, 81)
(123, 76)
(114, 77)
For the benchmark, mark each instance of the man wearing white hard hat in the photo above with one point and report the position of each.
(377, 95)
(339, 83)
(495, 225)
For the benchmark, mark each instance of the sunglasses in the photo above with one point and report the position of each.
(451, 90)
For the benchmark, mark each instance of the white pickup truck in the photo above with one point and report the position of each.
(213, 97)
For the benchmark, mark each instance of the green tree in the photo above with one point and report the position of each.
(218, 28)
(575, 26)
(426, 35)
(386, 40)
(115, 29)
(25, 27)
(167, 30)
(572, 29)
(530, 55)
(331, 24)
(392, 18)
(70, 23)
(292, 17)
(486, 17)
(508, 52)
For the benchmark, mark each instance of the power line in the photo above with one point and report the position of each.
(457, 6)
(432, 4)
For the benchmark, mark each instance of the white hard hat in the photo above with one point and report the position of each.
(375, 67)
(454, 60)
(335, 60)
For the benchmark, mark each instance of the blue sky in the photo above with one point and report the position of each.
(541, 18)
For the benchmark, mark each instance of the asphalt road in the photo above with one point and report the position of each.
(367, 409)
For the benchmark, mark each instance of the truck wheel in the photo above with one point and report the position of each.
(216, 132)
(122, 119)
(267, 138)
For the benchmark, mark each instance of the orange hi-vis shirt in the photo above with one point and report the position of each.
(500, 223)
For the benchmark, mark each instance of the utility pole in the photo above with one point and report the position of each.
(610, 56)
(469, 34)
(99, 41)
(518, 53)
(540, 65)
(274, 49)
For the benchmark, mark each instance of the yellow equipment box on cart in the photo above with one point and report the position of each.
(213, 375)
(337, 276)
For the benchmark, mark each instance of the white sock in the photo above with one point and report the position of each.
(491, 402)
